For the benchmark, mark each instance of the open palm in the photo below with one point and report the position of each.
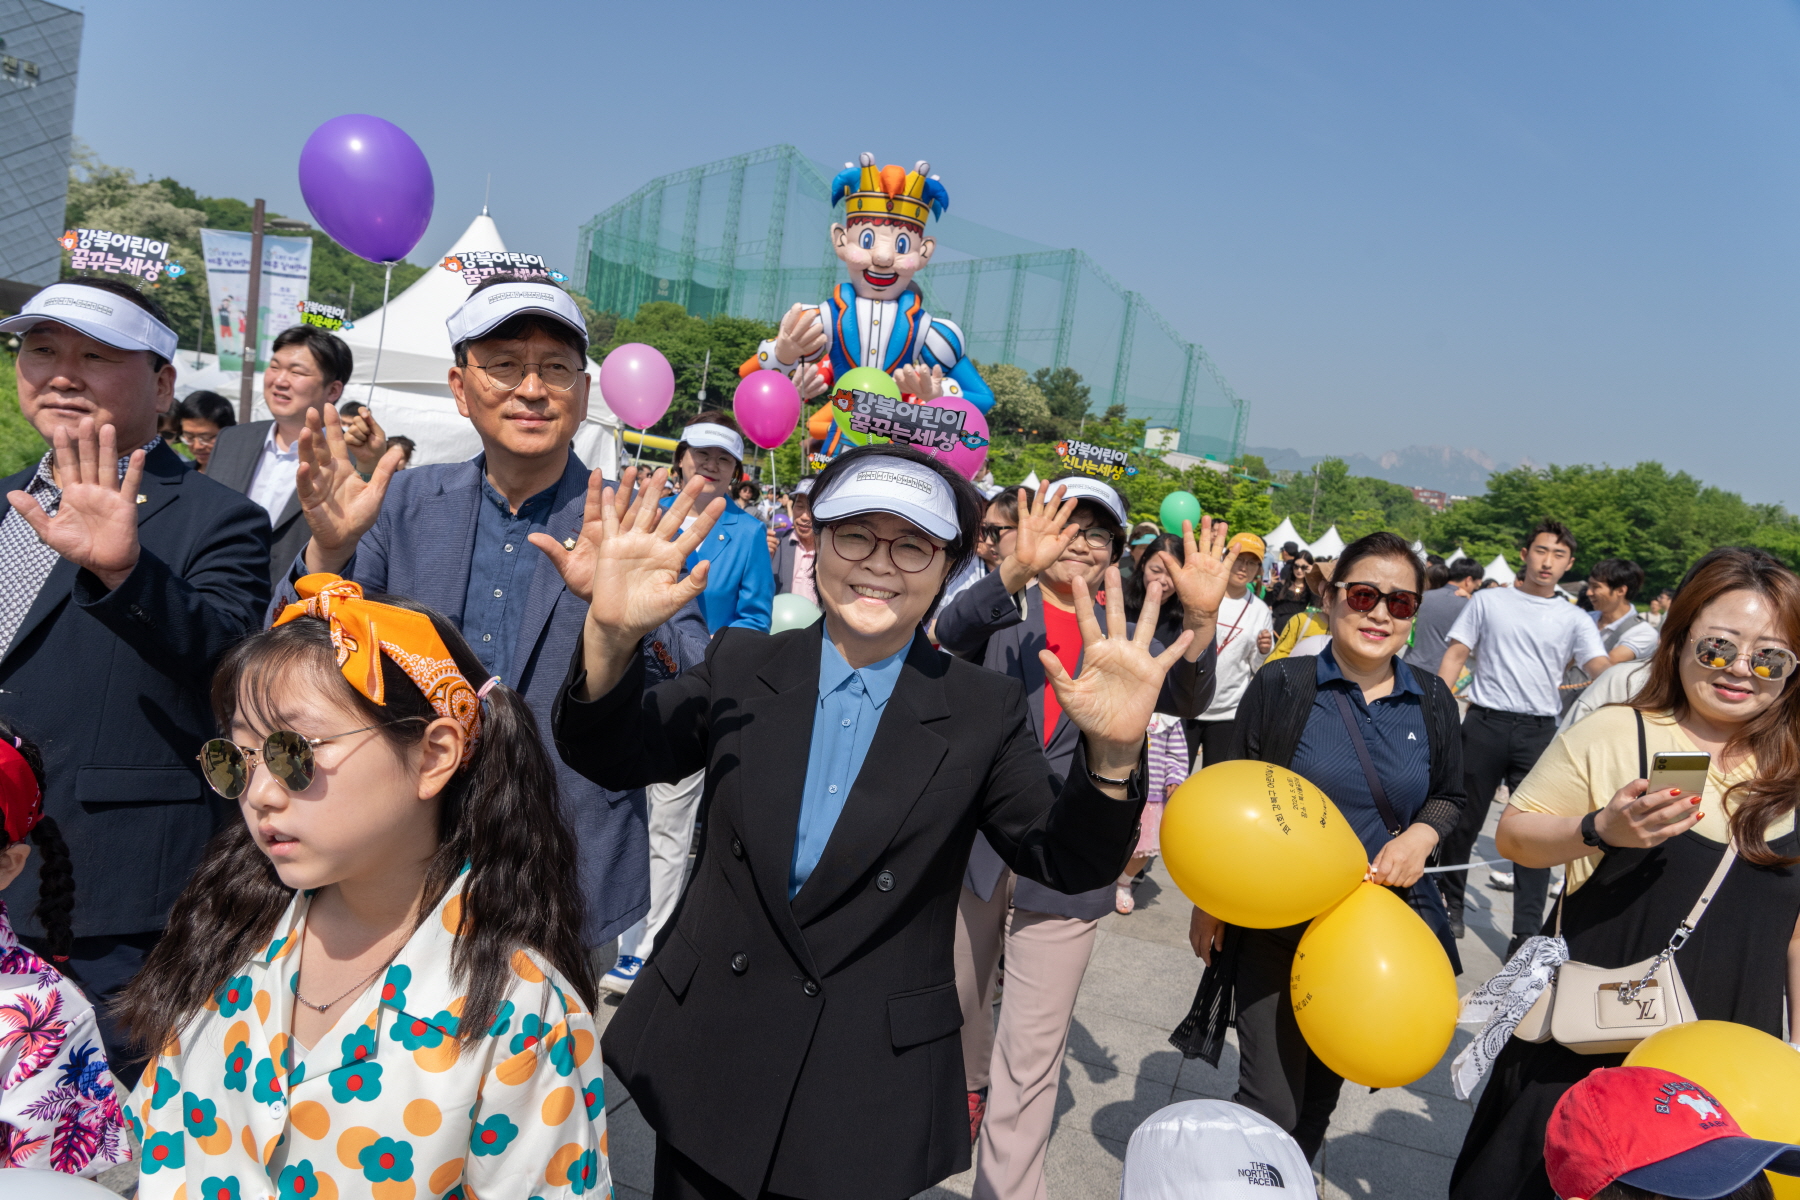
(1200, 581)
(636, 582)
(340, 506)
(1112, 699)
(95, 525)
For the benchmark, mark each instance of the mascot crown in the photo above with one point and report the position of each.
(889, 193)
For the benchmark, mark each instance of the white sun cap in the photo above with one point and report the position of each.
(714, 436)
(1216, 1149)
(485, 310)
(889, 484)
(1086, 487)
(102, 315)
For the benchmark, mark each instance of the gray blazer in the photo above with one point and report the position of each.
(787, 555)
(421, 546)
(233, 463)
(1013, 632)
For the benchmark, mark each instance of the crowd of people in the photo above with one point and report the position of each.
(340, 795)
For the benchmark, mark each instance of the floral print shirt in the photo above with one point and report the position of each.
(387, 1104)
(58, 1111)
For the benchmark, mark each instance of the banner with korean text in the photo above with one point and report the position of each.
(286, 271)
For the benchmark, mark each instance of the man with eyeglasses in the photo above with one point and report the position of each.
(999, 531)
(491, 543)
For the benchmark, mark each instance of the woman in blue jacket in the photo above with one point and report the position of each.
(740, 584)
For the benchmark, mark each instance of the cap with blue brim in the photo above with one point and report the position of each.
(102, 315)
(886, 483)
(1714, 1169)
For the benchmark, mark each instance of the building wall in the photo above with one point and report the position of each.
(37, 120)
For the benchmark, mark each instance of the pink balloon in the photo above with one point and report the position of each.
(767, 408)
(966, 460)
(637, 383)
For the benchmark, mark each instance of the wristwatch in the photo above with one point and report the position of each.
(1590, 832)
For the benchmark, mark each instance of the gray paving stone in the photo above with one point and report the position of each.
(1357, 1166)
(1099, 1039)
(1407, 1117)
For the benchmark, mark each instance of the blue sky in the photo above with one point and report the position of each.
(1563, 232)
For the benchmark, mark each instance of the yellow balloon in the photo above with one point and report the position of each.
(1256, 845)
(1755, 1076)
(1373, 990)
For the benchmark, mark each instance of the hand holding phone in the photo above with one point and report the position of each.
(1646, 813)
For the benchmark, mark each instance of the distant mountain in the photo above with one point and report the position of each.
(1459, 472)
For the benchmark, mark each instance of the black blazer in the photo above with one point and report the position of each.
(233, 463)
(115, 689)
(811, 1047)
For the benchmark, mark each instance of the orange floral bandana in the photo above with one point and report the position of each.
(363, 630)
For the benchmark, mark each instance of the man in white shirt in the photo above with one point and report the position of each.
(1245, 634)
(1612, 586)
(1523, 635)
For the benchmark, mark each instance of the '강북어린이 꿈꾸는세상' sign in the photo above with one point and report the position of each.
(106, 252)
(867, 417)
(477, 265)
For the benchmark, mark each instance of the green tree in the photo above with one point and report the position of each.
(1357, 504)
(1066, 394)
(1019, 405)
(20, 444)
(686, 342)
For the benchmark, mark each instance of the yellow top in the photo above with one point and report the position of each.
(1300, 625)
(1591, 760)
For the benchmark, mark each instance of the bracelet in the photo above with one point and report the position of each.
(1125, 782)
(1590, 832)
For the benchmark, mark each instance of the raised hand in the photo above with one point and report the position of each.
(802, 334)
(809, 381)
(95, 527)
(1200, 581)
(575, 563)
(917, 381)
(1044, 533)
(339, 505)
(366, 439)
(1113, 697)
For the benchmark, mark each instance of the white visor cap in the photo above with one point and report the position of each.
(102, 315)
(885, 483)
(487, 309)
(1085, 487)
(714, 436)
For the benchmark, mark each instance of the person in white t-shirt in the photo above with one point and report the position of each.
(1522, 635)
(1246, 632)
(1612, 586)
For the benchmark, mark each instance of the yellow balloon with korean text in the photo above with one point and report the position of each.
(1257, 845)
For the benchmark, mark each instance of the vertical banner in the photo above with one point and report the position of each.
(286, 271)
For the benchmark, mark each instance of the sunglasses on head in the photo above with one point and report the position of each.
(1721, 654)
(1363, 597)
(288, 755)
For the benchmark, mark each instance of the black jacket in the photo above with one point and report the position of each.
(233, 463)
(115, 689)
(810, 1047)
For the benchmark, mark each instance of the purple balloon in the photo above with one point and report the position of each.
(637, 383)
(767, 408)
(368, 185)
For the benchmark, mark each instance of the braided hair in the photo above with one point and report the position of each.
(56, 874)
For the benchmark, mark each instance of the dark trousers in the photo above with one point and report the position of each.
(1498, 747)
(103, 966)
(1278, 1074)
(1214, 742)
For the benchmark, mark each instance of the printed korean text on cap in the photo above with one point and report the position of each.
(1081, 487)
(909, 490)
(713, 436)
(487, 310)
(112, 320)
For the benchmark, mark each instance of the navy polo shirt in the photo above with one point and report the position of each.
(495, 601)
(1394, 730)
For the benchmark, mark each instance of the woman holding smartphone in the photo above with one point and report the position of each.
(1719, 684)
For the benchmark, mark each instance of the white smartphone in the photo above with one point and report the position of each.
(1680, 769)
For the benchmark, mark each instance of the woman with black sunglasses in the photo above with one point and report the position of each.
(1383, 741)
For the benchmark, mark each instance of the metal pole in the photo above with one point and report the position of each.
(255, 298)
(380, 333)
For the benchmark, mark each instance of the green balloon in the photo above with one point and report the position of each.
(860, 379)
(1178, 507)
(791, 612)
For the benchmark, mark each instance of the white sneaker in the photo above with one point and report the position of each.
(618, 981)
(1500, 881)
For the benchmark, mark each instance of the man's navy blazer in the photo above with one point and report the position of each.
(115, 688)
(421, 547)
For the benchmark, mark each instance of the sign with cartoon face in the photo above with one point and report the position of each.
(328, 317)
(477, 265)
(111, 253)
(1101, 462)
(868, 407)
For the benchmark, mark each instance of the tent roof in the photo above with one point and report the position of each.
(1283, 533)
(1500, 571)
(1458, 556)
(1329, 545)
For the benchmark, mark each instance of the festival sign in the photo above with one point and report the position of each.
(1101, 462)
(868, 412)
(286, 273)
(328, 317)
(477, 265)
(119, 254)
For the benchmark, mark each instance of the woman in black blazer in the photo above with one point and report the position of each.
(795, 1030)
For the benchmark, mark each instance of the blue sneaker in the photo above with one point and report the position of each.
(618, 981)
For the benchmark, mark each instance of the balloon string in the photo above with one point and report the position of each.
(1491, 862)
(381, 333)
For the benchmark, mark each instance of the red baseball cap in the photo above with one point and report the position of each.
(21, 804)
(1653, 1130)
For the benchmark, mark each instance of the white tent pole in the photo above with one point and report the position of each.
(380, 335)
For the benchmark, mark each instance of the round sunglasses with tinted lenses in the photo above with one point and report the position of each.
(1771, 662)
(1363, 597)
(288, 755)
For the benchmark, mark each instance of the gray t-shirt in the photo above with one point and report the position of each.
(1521, 644)
(1438, 610)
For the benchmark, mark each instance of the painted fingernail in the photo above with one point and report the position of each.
(1695, 800)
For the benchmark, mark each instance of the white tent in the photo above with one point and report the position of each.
(1282, 534)
(1329, 545)
(1499, 571)
(1457, 557)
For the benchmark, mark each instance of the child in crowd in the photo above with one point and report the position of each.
(375, 983)
(58, 1111)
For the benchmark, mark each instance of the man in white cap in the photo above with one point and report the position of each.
(124, 578)
(460, 537)
(740, 584)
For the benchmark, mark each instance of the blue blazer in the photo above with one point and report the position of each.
(740, 584)
(420, 547)
(115, 688)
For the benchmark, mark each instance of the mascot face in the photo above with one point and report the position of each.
(883, 257)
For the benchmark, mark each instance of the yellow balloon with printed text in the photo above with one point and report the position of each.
(1373, 990)
(1257, 845)
(1755, 1076)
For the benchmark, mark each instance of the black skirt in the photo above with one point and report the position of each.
(1734, 967)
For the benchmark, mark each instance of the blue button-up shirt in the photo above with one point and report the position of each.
(851, 701)
(495, 601)
(1393, 728)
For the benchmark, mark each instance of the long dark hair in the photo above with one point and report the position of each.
(1137, 585)
(56, 874)
(1774, 735)
(498, 816)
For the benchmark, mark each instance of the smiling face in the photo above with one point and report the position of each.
(871, 602)
(1366, 641)
(882, 258)
(293, 385)
(1081, 560)
(65, 375)
(531, 420)
(717, 467)
(1732, 695)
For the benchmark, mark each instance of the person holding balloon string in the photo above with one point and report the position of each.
(1721, 682)
(1382, 741)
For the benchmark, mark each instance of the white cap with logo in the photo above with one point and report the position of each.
(1216, 1149)
(1086, 487)
(102, 315)
(891, 484)
(714, 436)
(487, 309)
